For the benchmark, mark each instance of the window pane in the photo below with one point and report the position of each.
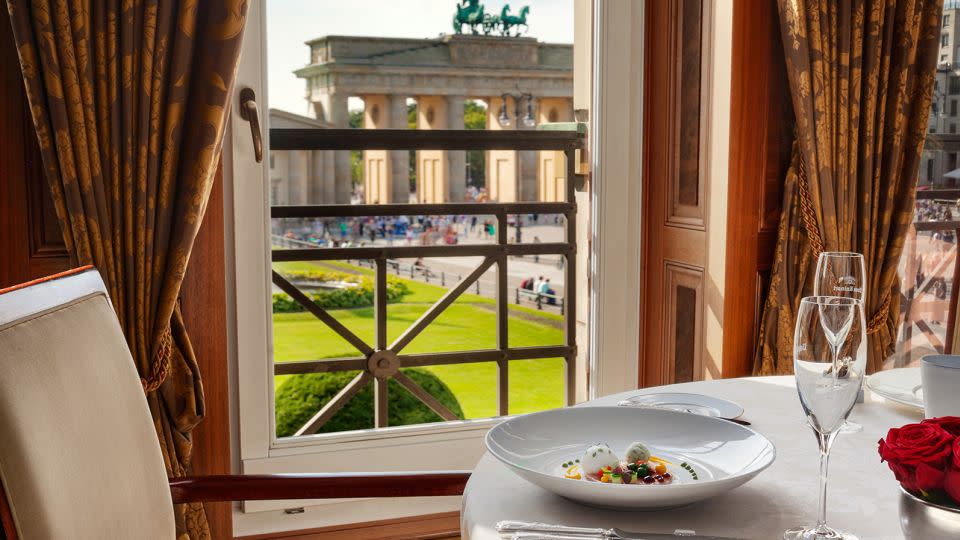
(350, 66)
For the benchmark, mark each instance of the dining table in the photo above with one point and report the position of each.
(863, 497)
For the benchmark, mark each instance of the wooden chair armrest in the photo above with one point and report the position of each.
(271, 487)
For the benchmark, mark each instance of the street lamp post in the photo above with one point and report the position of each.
(504, 118)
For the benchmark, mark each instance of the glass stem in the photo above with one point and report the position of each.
(825, 441)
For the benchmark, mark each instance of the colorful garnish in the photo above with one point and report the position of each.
(686, 466)
(606, 467)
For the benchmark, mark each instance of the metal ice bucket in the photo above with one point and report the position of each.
(920, 519)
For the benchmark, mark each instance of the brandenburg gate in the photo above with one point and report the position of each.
(523, 82)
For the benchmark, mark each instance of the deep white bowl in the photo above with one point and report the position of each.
(724, 454)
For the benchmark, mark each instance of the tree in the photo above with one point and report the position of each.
(475, 117)
(412, 159)
(356, 156)
(301, 396)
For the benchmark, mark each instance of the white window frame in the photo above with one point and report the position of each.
(612, 275)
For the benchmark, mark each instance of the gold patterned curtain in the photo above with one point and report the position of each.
(129, 100)
(861, 77)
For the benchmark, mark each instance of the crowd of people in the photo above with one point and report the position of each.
(421, 230)
(931, 210)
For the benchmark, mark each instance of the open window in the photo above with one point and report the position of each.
(412, 257)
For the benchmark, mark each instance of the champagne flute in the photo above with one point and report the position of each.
(841, 273)
(829, 359)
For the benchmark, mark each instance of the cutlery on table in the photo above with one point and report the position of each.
(531, 530)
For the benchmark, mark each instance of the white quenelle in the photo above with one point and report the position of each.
(637, 452)
(597, 457)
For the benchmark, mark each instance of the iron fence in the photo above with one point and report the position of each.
(382, 360)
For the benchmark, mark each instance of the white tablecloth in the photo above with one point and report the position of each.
(863, 497)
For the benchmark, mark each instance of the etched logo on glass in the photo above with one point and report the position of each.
(846, 284)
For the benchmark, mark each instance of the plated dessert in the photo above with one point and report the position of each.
(638, 467)
(703, 456)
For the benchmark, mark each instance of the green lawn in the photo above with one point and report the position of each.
(470, 323)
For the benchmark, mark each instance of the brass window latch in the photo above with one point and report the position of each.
(248, 111)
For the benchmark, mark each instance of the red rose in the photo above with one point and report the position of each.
(951, 481)
(918, 455)
(949, 423)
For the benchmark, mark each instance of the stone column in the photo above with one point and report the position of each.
(456, 159)
(332, 108)
(432, 167)
(502, 170)
(297, 174)
(552, 164)
(376, 163)
(399, 159)
(526, 161)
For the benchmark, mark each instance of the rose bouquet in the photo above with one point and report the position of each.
(925, 458)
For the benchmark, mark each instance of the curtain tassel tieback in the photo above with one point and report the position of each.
(160, 366)
(816, 243)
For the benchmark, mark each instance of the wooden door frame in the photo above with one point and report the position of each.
(760, 138)
(761, 135)
(662, 263)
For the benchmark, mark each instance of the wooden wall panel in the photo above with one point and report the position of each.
(674, 231)
(683, 310)
(761, 135)
(203, 301)
(30, 242)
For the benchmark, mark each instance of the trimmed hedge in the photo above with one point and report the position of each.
(360, 295)
(301, 396)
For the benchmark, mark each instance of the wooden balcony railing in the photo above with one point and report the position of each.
(382, 359)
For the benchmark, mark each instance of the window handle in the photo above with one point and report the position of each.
(248, 111)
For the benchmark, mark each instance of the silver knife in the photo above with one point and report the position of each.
(549, 536)
(552, 530)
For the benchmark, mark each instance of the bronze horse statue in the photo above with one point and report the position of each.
(513, 22)
(469, 13)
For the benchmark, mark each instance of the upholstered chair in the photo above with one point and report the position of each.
(79, 456)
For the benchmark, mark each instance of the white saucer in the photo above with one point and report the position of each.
(901, 385)
(688, 403)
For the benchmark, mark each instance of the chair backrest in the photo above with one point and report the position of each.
(79, 456)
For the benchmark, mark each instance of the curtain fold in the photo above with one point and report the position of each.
(129, 100)
(861, 79)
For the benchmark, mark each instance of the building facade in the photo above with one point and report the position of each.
(303, 176)
(940, 156)
(521, 80)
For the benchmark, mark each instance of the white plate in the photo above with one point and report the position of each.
(688, 403)
(724, 454)
(901, 385)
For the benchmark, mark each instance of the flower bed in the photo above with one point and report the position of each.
(359, 293)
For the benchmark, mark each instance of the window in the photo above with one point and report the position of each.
(946, 20)
(338, 306)
(944, 40)
(369, 178)
(928, 263)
